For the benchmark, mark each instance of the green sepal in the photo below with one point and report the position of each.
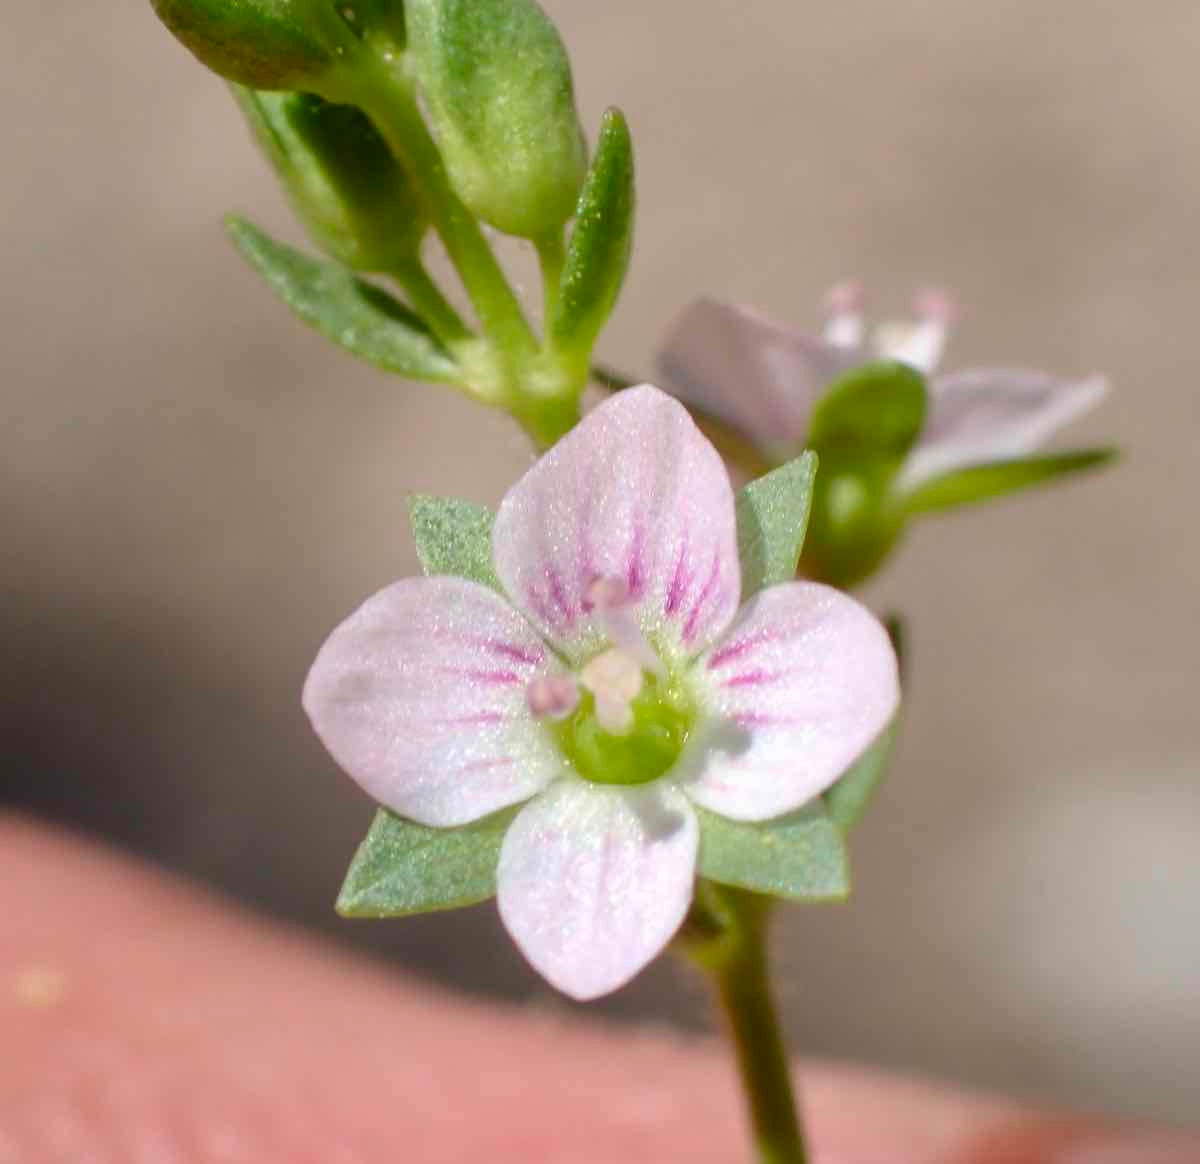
(453, 537)
(352, 196)
(402, 868)
(862, 428)
(772, 519)
(897, 631)
(497, 85)
(267, 44)
(601, 242)
(799, 857)
(856, 519)
(983, 482)
(848, 799)
(872, 413)
(356, 315)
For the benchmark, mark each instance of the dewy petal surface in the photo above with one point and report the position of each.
(993, 415)
(420, 695)
(634, 493)
(797, 690)
(594, 880)
(747, 370)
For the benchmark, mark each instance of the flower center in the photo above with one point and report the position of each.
(629, 725)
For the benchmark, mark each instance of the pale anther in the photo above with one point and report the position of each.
(552, 697)
(615, 680)
(922, 343)
(609, 599)
(844, 324)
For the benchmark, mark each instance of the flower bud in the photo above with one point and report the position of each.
(855, 521)
(497, 85)
(270, 44)
(353, 197)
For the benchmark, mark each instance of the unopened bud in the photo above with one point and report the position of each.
(270, 44)
(497, 85)
(352, 196)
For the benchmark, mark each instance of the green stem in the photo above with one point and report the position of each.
(552, 257)
(426, 298)
(386, 95)
(547, 419)
(727, 939)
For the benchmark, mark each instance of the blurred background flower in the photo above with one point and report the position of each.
(194, 489)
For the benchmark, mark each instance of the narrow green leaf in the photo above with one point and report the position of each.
(983, 482)
(356, 315)
(404, 868)
(601, 241)
(801, 857)
(772, 517)
(453, 537)
(875, 411)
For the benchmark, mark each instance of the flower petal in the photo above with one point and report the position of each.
(594, 880)
(993, 414)
(798, 689)
(420, 695)
(634, 493)
(743, 368)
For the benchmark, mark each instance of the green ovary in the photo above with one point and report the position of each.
(663, 717)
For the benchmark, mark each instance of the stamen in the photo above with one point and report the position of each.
(920, 344)
(615, 680)
(844, 327)
(552, 697)
(609, 600)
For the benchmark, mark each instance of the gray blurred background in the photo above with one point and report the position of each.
(194, 490)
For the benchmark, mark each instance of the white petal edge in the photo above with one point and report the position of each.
(636, 493)
(743, 368)
(803, 683)
(420, 695)
(993, 414)
(594, 880)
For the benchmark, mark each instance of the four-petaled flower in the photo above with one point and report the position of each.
(612, 685)
(765, 380)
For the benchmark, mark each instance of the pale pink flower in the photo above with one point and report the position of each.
(765, 379)
(612, 686)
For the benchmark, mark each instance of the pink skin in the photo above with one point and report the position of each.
(145, 1020)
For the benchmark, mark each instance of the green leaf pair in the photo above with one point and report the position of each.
(404, 868)
(357, 204)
